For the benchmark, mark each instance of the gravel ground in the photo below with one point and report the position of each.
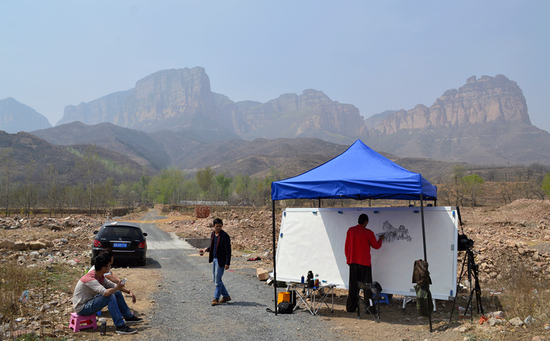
(183, 309)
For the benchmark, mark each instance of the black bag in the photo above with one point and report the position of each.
(285, 308)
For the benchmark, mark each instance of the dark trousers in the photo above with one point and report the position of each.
(359, 273)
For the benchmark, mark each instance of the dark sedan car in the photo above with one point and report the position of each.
(125, 239)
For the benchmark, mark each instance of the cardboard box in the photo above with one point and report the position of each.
(263, 274)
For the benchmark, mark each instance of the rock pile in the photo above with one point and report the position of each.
(49, 240)
(249, 231)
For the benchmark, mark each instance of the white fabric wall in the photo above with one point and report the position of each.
(314, 238)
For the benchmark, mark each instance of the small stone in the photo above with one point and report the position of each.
(516, 322)
(494, 321)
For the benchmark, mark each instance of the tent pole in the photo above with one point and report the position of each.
(423, 228)
(319, 202)
(424, 242)
(274, 252)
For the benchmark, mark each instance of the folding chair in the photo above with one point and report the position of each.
(376, 289)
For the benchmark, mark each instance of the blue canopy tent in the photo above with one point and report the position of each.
(358, 173)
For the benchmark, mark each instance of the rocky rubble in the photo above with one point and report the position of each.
(48, 245)
(250, 231)
(505, 238)
(512, 236)
(52, 234)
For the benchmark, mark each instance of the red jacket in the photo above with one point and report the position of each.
(359, 240)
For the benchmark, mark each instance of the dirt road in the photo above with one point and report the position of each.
(182, 303)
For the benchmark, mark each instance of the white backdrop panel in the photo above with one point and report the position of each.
(314, 238)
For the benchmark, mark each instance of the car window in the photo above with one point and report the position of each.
(120, 231)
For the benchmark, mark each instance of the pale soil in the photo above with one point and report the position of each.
(518, 233)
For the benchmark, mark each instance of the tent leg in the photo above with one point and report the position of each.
(424, 244)
(423, 228)
(274, 252)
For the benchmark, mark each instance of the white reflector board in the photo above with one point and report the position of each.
(313, 239)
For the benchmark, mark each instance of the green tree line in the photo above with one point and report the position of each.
(28, 188)
(99, 187)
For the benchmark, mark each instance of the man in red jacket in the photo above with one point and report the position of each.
(359, 240)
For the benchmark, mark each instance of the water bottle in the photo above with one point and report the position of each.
(103, 329)
(302, 281)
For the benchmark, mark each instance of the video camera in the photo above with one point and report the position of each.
(464, 243)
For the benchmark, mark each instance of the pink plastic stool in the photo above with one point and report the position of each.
(82, 322)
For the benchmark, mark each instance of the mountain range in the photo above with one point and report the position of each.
(484, 121)
(172, 119)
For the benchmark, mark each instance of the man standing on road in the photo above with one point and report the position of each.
(93, 292)
(359, 240)
(220, 257)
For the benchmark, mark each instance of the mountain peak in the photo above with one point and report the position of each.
(16, 117)
(484, 100)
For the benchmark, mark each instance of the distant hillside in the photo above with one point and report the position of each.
(288, 157)
(16, 117)
(32, 154)
(134, 144)
(256, 157)
(495, 143)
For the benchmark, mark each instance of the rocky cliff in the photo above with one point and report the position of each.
(483, 122)
(311, 114)
(181, 100)
(16, 117)
(101, 110)
(168, 99)
(483, 100)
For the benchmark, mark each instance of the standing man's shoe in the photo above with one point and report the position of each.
(215, 302)
(225, 299)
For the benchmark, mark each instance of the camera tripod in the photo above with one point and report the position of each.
(472, 271)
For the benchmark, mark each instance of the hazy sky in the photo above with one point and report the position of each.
(376, 55)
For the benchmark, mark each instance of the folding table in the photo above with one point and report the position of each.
(308, 296)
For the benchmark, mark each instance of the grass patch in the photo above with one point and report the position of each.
(23, 290)
(14, 280)
(525, 291)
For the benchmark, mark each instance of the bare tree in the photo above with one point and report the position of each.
(8, 169)
(89, 166)
(52, 195)
(457, 188)
(26, 195)
(506, 191)
(536, 186)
